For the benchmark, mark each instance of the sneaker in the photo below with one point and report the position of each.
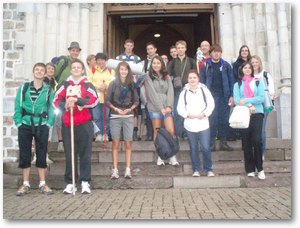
(173, 160)
(60, 147)
(261, 175)
(210, 174)
(196, 174)
(69, 189)
(23, 189)
(105, 137)
(115, 174)
(46, 190)
(49, 161)
(85, 187)
(252, 174)
(160, 161)
(127, 173)
(34, 159)
(99, 138)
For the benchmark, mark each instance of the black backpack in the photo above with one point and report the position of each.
(166, 146)
(55, 61)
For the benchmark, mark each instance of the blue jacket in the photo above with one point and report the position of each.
(206, 76)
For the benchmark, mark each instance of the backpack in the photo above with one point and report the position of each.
(204, 97)
(55, 61)
(166, 146)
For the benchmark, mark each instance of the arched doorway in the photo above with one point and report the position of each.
(190, 22)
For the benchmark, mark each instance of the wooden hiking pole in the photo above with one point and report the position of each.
(72, 150)
(104, 119)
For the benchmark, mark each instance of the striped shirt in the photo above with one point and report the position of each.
(34, 93)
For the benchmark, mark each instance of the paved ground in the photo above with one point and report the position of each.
(225, 203)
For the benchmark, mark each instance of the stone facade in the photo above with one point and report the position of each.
(35, 32)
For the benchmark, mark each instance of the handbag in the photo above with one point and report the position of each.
(177, 83)
(240, 117)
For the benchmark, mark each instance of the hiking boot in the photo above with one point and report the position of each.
(85, 187)
(225, 146)
(160, 161)
(213, 144)
(127, 173)
(115, 174)
(173, 160)
(69, 189)
(46, 190)
(60, 147)
(135, 137)
(23, 189)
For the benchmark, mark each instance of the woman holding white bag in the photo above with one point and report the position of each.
(250, 92)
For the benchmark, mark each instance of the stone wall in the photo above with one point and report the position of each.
(13, 22)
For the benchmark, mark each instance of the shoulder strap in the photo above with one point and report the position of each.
(266, 77)
(25, 88)
(257, 82)
(204, 98)
(185, 98)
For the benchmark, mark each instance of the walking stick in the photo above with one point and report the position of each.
(104, 120)
(72, 150)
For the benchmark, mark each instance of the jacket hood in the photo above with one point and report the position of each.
(200, 85)
(81, 80)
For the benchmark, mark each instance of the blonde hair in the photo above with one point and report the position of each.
(181, 42)
(260, 67)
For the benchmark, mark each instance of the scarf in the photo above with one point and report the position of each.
(247, 90)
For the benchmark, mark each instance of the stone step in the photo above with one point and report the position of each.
(145, 175)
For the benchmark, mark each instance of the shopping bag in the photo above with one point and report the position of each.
(240, 117)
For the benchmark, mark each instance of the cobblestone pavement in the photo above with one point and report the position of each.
(226, 203)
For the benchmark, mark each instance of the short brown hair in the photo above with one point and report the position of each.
(215, 47)
(39, 64)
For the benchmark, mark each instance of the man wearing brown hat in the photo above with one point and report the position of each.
(63, 66)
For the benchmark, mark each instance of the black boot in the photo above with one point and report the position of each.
(225, 146)
(213, 144)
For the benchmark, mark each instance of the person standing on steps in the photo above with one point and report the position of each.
(80, 95)
(34, 115)
(217, 76)
(195, 105)
(160, 104)
(122, 98)
(249, 92)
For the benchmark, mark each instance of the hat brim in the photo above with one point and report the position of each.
(75, 48)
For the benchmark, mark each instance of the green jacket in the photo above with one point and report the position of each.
(66, 72)
(38, 107)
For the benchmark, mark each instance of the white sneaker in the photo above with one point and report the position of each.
(115, 174)
(85, 187)
(196, 174)
(252, 174)
(34, 159)
(105, 137)
(210, 174)
(60, 147)
(99, 138)
(49, 161)
(69, 189)
(173, 161)
(261, 175)
(127, 173)
(160, 161)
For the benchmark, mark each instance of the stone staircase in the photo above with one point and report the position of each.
(228, 167)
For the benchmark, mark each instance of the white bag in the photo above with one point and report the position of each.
(240, 117)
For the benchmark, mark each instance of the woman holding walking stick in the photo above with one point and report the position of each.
(78, 94)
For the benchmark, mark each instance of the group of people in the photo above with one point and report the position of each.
(190, 97)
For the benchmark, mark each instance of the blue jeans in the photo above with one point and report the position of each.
(98, 119)
(178, 120)
(219, 119)
(264, 134)
(202, 138)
